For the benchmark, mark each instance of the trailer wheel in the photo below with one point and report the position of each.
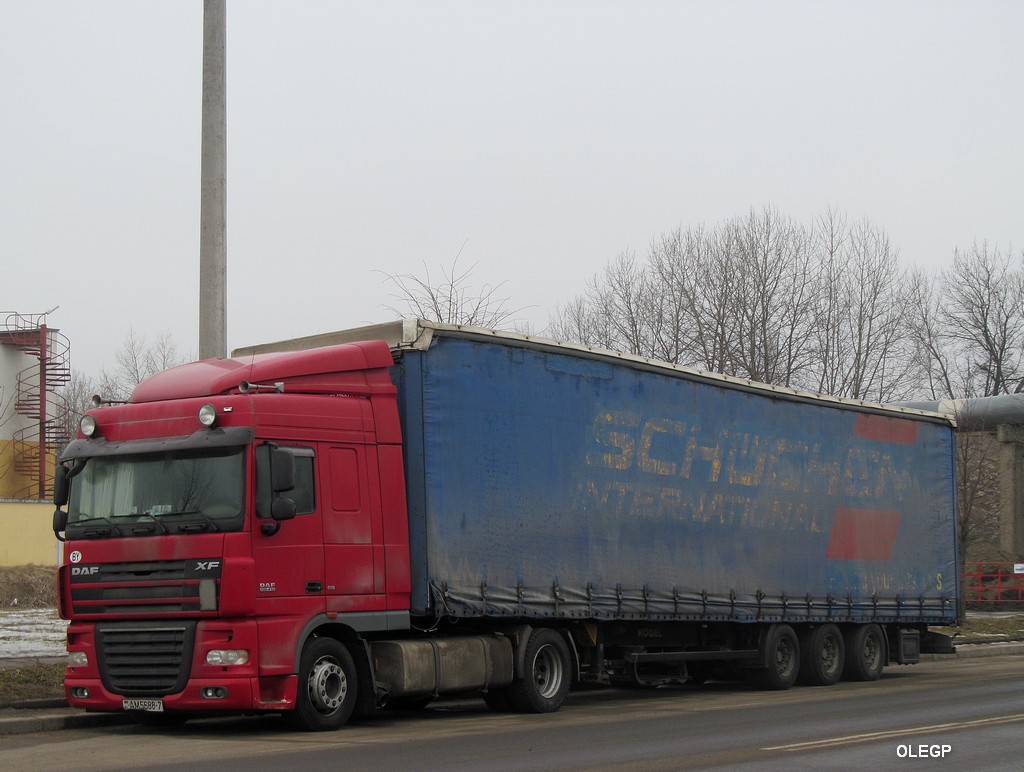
(865, 653)
(822, 655)
(546, 677)
(326, 695)
(783, 652)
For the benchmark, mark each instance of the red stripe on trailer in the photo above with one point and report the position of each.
(881, 428)
(863, 534)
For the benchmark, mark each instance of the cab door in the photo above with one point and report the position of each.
(289, 564)
(352, 539)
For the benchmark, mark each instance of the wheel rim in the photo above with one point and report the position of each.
(784, 659)
(547, 671)
(830, 654)
(327, 686)
(872, 651)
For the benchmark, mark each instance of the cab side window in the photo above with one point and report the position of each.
(304, 492)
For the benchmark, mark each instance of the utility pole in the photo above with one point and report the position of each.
(213, 206)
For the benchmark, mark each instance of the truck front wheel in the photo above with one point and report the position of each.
(546, 675)
(327, 688)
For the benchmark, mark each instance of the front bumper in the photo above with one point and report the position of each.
(150, 661)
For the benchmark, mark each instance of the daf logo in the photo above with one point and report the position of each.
(84, 570)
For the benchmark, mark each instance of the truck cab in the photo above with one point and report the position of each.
(226, 516)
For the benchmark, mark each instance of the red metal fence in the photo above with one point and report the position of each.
(994, 583)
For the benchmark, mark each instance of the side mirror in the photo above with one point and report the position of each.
(60, 522)
(283, 508)
(282, 479)
(282, 470)
(61, 485)
(61, 492)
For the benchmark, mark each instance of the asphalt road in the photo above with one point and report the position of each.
(958, 714)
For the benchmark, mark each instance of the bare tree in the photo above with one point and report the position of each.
(742, 299)
(581, 320)
(967, 325)
(452, 300)
(775, 278)
(984, 317)
(860, 327)
(931, 356)
(827, 308)
(694, 274)
(979, 494)
(135, 361)
(78, 393)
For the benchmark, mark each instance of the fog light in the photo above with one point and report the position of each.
(213, 692)
(78, 659)
(227, 657)
(80, 692)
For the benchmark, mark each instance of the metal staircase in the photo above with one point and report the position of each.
(36, 397)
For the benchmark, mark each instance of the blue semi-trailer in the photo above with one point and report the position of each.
(433, 509)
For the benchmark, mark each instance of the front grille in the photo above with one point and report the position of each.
(148, 659)
(150, 588)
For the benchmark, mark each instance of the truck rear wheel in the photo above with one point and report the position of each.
(822, 655)
(865, 653)
(782, 650)
(546, 676)
(326, 695)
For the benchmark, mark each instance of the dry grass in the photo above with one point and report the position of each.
(28, 586)
(985, 628)
(35, 681)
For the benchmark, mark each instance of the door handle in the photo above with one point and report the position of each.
(314, 586)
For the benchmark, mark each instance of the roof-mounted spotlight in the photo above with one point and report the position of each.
(88, 426)
(208, 415)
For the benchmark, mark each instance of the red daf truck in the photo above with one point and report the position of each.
(321, 526)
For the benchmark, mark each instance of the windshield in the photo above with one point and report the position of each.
(178, 491)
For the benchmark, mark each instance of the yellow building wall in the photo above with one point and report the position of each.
(14, 484)
(27, 528)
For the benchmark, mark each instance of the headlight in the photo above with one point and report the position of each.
(78, 659)
(227, 657)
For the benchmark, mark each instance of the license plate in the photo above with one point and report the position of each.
(151, 706)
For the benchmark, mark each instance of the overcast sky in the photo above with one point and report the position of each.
(371, 138)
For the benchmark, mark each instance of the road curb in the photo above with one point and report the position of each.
(25, 720)
(971, 650)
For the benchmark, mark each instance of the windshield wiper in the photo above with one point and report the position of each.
(155, 519)
(207, 524)
(92, 532)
